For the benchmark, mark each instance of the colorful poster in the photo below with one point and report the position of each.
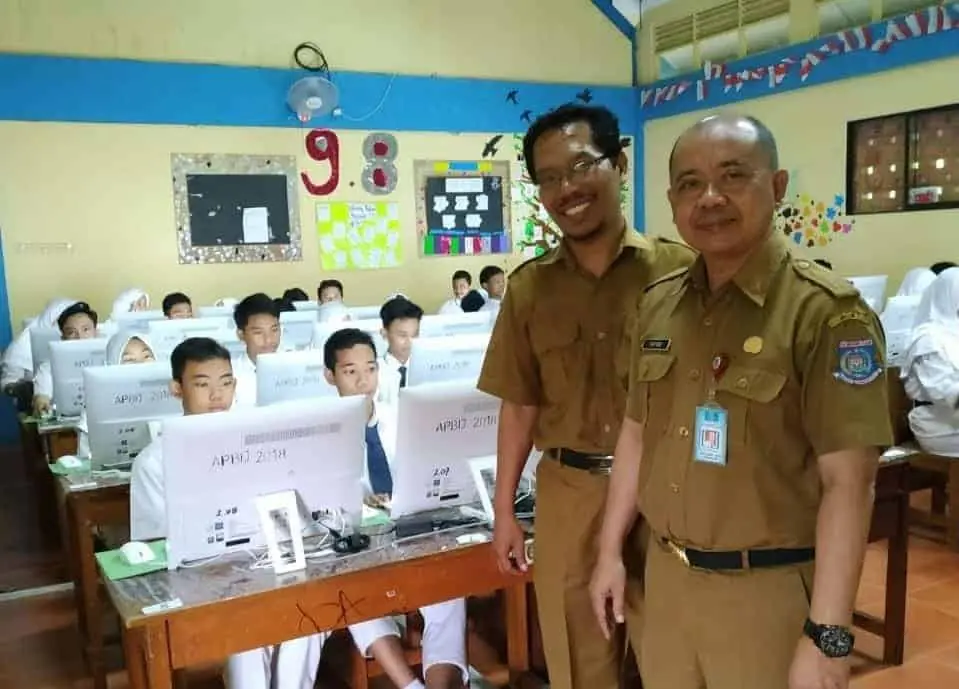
(359, 236)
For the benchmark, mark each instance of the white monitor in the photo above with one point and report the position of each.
(439, 428)
(439, 359)
(306, 305)
(165, 335)
(873, 290)
(120, 403)
(455, 324)
(40, 339)
(359, 313)
(372, 326)
(900, 313)
(68, 358)
(296, 329)
(216, 465)
(216, 312)
(287, 376)
(137, 320)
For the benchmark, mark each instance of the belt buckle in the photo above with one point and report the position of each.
(603, 467)
(678, 551)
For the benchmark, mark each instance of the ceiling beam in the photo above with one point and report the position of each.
(616, 17)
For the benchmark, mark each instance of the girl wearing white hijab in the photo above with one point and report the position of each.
(916, 282)
(18, 359)
(930, 370)
(134, 299)
(126, 347)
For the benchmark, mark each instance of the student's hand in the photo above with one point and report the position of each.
(607, 590)
(509, 544)
(380, 501)
(41, 405)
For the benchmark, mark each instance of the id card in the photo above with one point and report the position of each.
(710, 440)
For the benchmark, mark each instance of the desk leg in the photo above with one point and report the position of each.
(86, 587)
(147, 654)
(518, 635)
(897, 562)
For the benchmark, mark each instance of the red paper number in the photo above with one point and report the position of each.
(322, 144)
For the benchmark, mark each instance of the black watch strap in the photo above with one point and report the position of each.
(832, 640)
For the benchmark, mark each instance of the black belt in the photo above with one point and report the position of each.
(734, 560)
(585, 461)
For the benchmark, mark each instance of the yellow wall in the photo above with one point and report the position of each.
(810, 126)
(541, 40)
(107, 190)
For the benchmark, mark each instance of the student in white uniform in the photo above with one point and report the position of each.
(177, 305)
(203, 381)
(126, 347)
(930, 371)
(77, 322)
(257, 321)
(134, 299)
(352, 367)
(461, 283)
(18, 359)
(916, 282)
(493, 280)
(401, 325)
(329, 290)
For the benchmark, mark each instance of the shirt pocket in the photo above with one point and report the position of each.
(650, 396)
(555, 347)
(753, 398)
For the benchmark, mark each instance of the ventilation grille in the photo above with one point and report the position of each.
(716, 20)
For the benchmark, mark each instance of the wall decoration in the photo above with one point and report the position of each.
(235, 208)
(379, 174)
(584, 96)
(489, 148)
(359, 236)
(812, 223)
(878, 37)
(513, 97)
(323, 145)
(462, 207)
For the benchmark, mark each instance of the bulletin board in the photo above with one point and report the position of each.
(359, 236)
(462, 207)
(236, 208)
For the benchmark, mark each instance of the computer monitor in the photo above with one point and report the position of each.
(120, 403)
(68, 358)
(372, 326)
(439, 428)
(137, 320)
(296, 329)
(306, 305)
(455, 324)
(216, 312)
(215, 466)
(873, 290)
(439, 359)
(165, 335)
(359, 313)
(40, 339)
(287, 376)
(898, 320)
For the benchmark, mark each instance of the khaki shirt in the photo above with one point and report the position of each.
(557, 340)
(796, 387)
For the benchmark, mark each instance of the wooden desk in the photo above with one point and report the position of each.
(890, 521)
(84, 508)
(227, 608)
(58, 437)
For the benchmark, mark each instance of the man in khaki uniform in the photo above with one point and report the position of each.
(556, 361)
(757, 402)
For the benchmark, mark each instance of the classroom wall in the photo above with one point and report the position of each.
(810, 126)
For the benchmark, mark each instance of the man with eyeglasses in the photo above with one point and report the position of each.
(557, 362)
(752, 437)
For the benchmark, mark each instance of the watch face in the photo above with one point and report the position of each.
(835, 642)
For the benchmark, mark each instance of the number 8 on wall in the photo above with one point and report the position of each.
(379, 172)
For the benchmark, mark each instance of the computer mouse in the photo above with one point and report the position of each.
(137, 553)
(69, 462)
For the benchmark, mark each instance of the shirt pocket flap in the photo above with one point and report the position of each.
(754, 384)
(556, 336)
(653, 367)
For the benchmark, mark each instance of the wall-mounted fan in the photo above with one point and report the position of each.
(314, 95)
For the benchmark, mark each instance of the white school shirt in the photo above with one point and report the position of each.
(244, 373)
(389, 387)
(450, 306)
(492, 306)
(147, 499)
(43, 380)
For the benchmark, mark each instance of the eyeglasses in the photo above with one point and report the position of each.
(691, 188)
(576, 173)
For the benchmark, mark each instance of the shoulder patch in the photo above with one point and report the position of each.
(668, 277)
(858, 362)
(821, 277)
(530, 261)
(851, 315)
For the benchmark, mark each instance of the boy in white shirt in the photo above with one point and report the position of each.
(401, 325)
(177, 305)
(329, 290)
(493, 280)
(203, 381)
(257, 321)
(77, 322)
(461, 282)
(352, 367)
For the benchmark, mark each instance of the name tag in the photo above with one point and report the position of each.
(656, 344)
(710, 440)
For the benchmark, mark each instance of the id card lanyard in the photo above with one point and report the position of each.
(712, 421)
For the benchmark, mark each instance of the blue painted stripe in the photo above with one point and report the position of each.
(64, 89)
(463, 166)
(860, 63)
(639, 179)
(614, 15)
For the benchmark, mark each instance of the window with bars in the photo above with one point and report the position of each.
(903, 162)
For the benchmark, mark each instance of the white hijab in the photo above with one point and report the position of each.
(937, 321)
(126, 301)
(117, 344)
(916, 282)
(19, 354)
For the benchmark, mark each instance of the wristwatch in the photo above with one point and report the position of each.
(832, 640)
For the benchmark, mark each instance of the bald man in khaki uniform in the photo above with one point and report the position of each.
(757, 404)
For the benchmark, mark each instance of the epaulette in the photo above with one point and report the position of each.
(668, 277)
(528, 261)
(822, 277)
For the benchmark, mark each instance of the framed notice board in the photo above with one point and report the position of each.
(236, 208)
(462, 207)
